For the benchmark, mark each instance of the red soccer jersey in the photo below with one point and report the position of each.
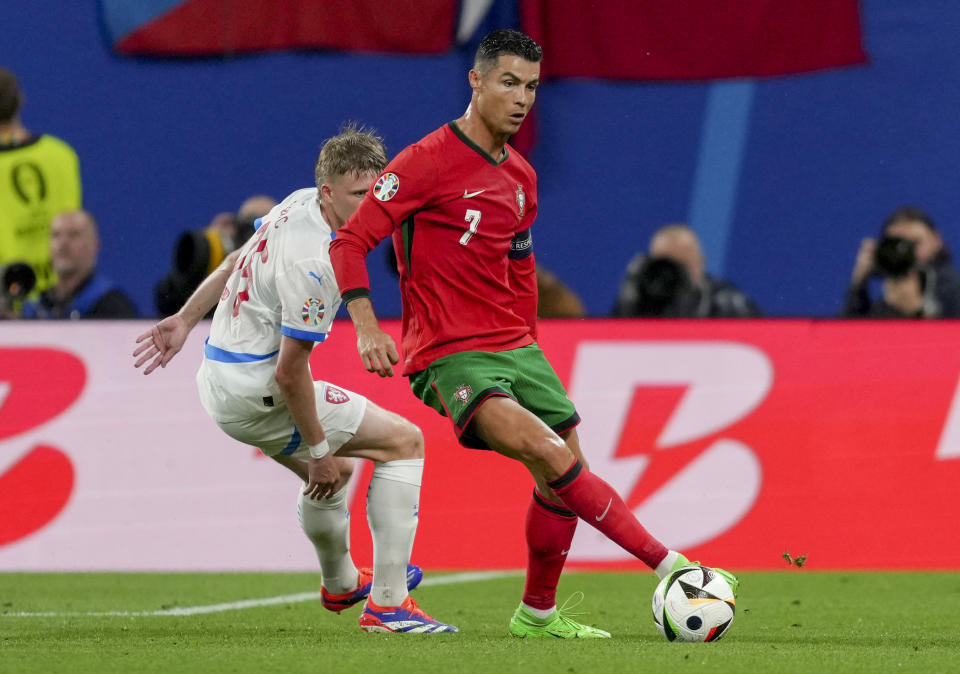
(460, 223)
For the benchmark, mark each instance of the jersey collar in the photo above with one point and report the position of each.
(476, 148)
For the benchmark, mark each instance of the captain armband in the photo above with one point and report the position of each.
(521, 245)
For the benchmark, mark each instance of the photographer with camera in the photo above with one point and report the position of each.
(918, 276)
(197, 253)
(671, 281)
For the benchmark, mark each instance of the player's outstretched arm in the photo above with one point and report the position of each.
(377, 349)
(164, 340)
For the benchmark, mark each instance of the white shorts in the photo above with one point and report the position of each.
(273, 430)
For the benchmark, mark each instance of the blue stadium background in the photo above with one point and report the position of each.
(782, 176)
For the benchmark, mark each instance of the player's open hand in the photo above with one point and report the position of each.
(324, 477)
(161, 343)
(377, 351)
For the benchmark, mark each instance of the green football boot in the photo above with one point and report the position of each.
(732, 580)
(560, 625)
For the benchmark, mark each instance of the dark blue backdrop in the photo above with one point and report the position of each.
(783, 176)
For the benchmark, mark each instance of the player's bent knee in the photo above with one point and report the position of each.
(413, 440)
(546, 456)
(345, 467)
(406, 440)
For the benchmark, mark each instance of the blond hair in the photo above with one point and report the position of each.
(355, 150)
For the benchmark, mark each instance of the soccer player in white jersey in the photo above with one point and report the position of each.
(276, 298)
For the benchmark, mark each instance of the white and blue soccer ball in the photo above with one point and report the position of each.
(693, 603)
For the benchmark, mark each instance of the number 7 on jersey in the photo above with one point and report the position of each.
(473, 217)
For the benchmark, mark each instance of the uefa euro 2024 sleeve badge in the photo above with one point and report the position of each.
(386, 186)
(521, 201)
(312, 312)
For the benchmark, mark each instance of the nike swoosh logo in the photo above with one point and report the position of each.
(604, 513)
(563, 552)
(467, 195)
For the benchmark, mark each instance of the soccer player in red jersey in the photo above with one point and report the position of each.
(459, 205)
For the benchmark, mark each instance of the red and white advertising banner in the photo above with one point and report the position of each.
(731, 440)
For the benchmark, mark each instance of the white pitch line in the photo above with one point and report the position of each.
(467, 577)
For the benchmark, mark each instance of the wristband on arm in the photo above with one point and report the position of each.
(319, 450)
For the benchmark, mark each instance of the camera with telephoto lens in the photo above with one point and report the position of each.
(17, 280)
(663, 288)
(196, 254)
(895, 257)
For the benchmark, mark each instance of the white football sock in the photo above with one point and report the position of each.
(543, 614)
(664, 567)
(393, 501)
(326, 522)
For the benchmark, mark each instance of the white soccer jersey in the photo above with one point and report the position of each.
(282, 284)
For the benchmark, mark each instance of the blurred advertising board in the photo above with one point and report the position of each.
(731, 440)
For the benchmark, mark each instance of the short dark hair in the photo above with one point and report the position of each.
(908, 214)
(505, 41)
(10, 96)
(353, 150)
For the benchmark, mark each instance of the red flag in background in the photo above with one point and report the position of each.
(692, 39)
(208, 27)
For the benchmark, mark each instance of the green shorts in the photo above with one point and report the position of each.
(456, 386)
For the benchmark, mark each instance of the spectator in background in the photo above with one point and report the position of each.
(198, 253)
(80, 291)
(671, 281)
(554, 298)
(39, 178)
(919, 279)
(255, 207)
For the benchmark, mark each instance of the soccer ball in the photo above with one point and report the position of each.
(693, 603)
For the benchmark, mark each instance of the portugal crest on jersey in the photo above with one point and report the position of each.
(386, 186)
(463, 393)
(521, 201)
(312, 312)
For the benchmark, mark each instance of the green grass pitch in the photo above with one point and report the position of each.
(791, 621)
